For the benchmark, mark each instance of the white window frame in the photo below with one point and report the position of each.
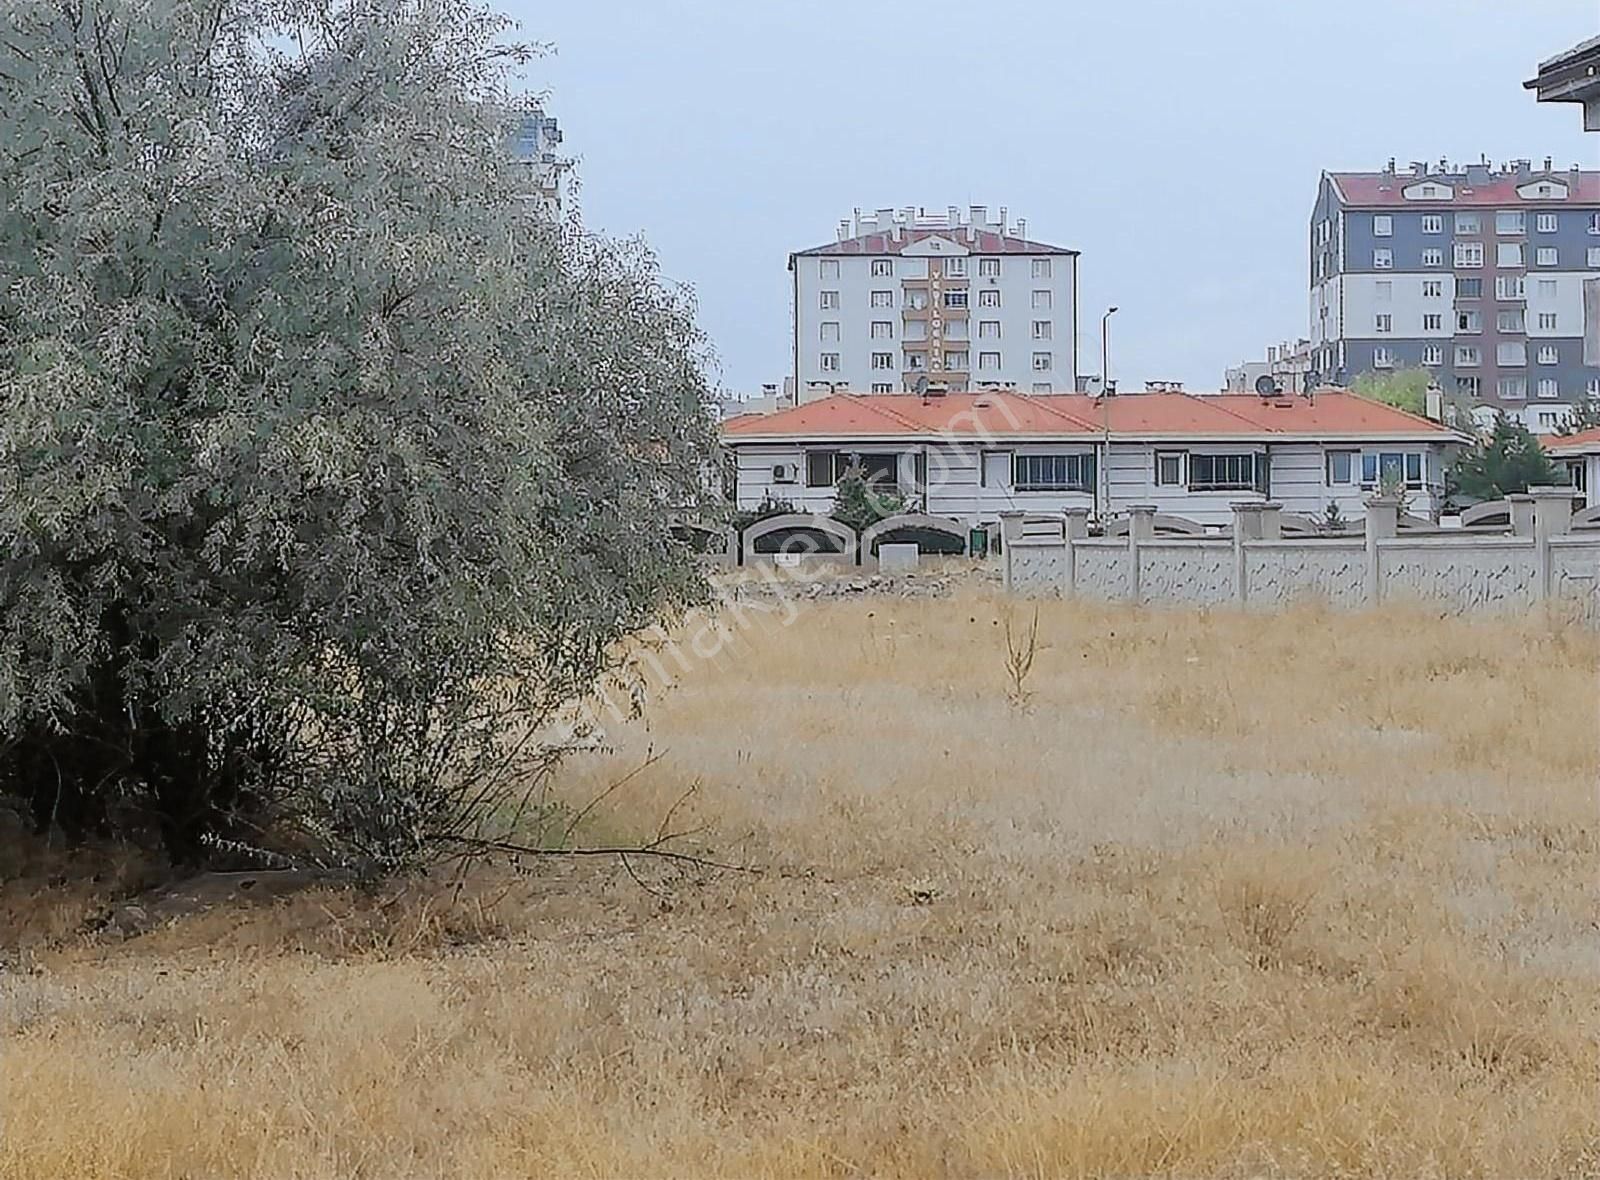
(1043, 330)
(1545, 223)
(828, 362)
(1433, 288)
(1549, 354)
(988, 268)
(1546, 256)
(1508, 254)
(989, 330)
(1180, 477)
(1548, 321)
(883, 268)
(883, 361)
(1468, 223)
(1432, 354)
(1433, 321)
(828, 300)
(955, 268)
(881, 298)
(1383, 323)
(1432, 223)
(988, 362)
(1433, 257)
(828, 331)
(1382, 225)
(1469, 255)
(1382, 357)
(828, 268)
(1044, 300)
(1043, 362)
(1549, 387)
(989, 297)
(1508, 222)
(1383, 259)
(881, 330)
(1042, 268)
(1352, 468)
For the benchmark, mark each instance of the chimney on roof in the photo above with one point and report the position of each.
(1005, 225)
(844, 228)
(1389, 169)
(978, 214)
(897, 233)
(1419, 169)
(952, 216)
(884, 218)
(1549, 163)
(1022, 227)
(858, 221)
(1576, 173)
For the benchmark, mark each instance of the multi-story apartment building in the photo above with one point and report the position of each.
(905, 299)
(533, 148)
(1483, 275)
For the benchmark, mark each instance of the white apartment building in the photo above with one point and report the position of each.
(906, 299)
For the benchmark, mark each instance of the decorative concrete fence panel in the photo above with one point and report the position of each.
(1588, 518)
(1395, 559)
(1487, 572)
(1199, 573)
(809, 536)
(930, 534)
(1332, 570)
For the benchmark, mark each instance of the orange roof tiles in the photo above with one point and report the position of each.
(1583, 443)
(997, 414)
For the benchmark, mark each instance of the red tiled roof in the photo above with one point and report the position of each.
(1383, 188)
(1585, 442)
(984, 242)
(999, 415)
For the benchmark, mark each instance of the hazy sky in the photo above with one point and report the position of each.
(1176, 143)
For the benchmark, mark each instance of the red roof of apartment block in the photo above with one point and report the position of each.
(983, 242)
(1000, 414)
(1585, 442)
(1388, 188)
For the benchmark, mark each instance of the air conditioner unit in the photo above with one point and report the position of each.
(785, 472)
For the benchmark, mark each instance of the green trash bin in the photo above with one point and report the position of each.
(978, 541)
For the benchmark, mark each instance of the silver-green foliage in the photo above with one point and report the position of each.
(328, 472)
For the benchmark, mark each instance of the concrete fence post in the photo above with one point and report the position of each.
(1521, 514)
(1010, 530)
(1077, 530)
(1271, 517)
(1383, 522)
(1552, 517)
(1246, 527)
(1141, 528)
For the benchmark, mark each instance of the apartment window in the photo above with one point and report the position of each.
(1549, 354)
(1469, 288)
(1513, 388)
(882, 387)
(1042, 329)
(1547, 321)
(883, 329)
(1545, 223)
(988, 329)
(1545, 256)
(882, 268)
(1433, 322)
(1510, 320)
(1382, 358)
(1383, 291)
(1508, 254)
(882, 299)
(1469, 386)
(956, 360)
(1052, 473)
(1382, 259)
(1041, 268)
(1594, 223)
(1549, 387)
(1592, 386)
(916, 360)
(1511, 287)
(1432, 223)
(1381, 467)
(1042, 300)
(830, 300)
(883, 360)
(1432, 354)
(1433, 258)
(988, 361)
(1547, 288)
(830, 331)
(1218, 473)
(1510, 221)
(989, 268)
(1550, 420)
(916, 300)
(1433, 288)
(1382, 225)
(955, 298)
(1594, 257)
(828, 268)
(829, 362)
(1043, 387)
(1341, 467)
(1383, 323)
(1467, 223)
(1511, 352)
(1469, 254)
(1468, 356)
(1470, 322)
(1041, 362)
(989, 297)
(1169, 469)
(823, 468)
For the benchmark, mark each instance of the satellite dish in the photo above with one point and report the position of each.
(1313, 380)
(921, 384)
(1266, 386)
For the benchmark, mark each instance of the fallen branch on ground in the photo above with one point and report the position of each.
(652, 849)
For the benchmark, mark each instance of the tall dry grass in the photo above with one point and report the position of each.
(1213, 895)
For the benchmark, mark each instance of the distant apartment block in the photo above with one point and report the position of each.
(534, 148)
(906, 299)
(1287, 364)
(1485, 276)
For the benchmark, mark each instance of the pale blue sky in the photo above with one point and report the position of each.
(1176, 143)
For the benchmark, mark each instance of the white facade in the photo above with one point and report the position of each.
(964, 301)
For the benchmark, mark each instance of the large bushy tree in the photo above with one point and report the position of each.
(1405, 389)
(1505, 461)
(328, 473)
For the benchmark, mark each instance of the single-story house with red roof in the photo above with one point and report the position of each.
(1580, 455)
(971, 456)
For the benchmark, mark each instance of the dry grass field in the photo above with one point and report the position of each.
(1224, 896)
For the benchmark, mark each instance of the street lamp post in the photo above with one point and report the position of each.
(1103, 508)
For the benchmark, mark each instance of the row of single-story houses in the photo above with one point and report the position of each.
(1579, 454)
(971, 456)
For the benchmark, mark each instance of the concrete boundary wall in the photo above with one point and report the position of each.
(1540, 559)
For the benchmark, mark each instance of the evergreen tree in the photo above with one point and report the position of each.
(1505, 461)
